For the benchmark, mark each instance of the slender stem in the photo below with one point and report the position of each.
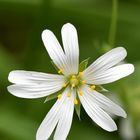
(124, 95)
(113, 26)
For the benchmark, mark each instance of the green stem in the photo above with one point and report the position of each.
(113, 26)
(124, 96)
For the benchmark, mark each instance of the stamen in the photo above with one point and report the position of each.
(73, 77)
(93, 87)
(74, 81)
(81, 93)
(80, 74)
(83, 82)
(69, 95)
(75, 101)
(73, 85)
(61, 71)
(64, 85)
(59, 96)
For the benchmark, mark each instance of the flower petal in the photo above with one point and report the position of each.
(49, 123)
(55, 50)
(71, 46)
(106, 61)
(29, 84)
(31, 77)
(111, 75)
(97, 114)
(104, 102)
(65, 121)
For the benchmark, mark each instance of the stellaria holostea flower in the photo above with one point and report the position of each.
(76, 86)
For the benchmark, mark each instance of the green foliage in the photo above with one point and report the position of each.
(15, 125)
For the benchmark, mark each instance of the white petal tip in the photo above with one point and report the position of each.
(11, 75)
(68, 26)
(132, 68)
(121, 113)
(10, 90)
(112, 129)
(129, 69)
(46, 33)
(121, 50)
(124, 115)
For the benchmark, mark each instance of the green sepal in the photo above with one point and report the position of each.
(83, 64)
(78, 108)
(51, 97)
(101, 89)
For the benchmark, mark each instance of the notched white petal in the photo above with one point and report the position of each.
(33, 91)
(106, 61)
(104, 102)
(49, 123)
(54, 49)
(65, 121)
(31, 77)
(28, 84)
(71, 46)
(112, 74)
(60, 116)
(99, 116)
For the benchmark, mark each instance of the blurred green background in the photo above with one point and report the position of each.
(21, 47)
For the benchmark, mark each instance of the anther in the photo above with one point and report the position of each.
(75, 101)
(59, 96)
(80, 93)
(69, 95)
(80, 74)
(73, 85)
(64, 85)
(60, 71)
(83, 82)
(73, 77)
(93, 87)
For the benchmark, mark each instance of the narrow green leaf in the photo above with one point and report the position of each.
(83, 64)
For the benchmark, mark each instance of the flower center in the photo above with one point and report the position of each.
(74, 81)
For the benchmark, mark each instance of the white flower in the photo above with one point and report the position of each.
(75, 85)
